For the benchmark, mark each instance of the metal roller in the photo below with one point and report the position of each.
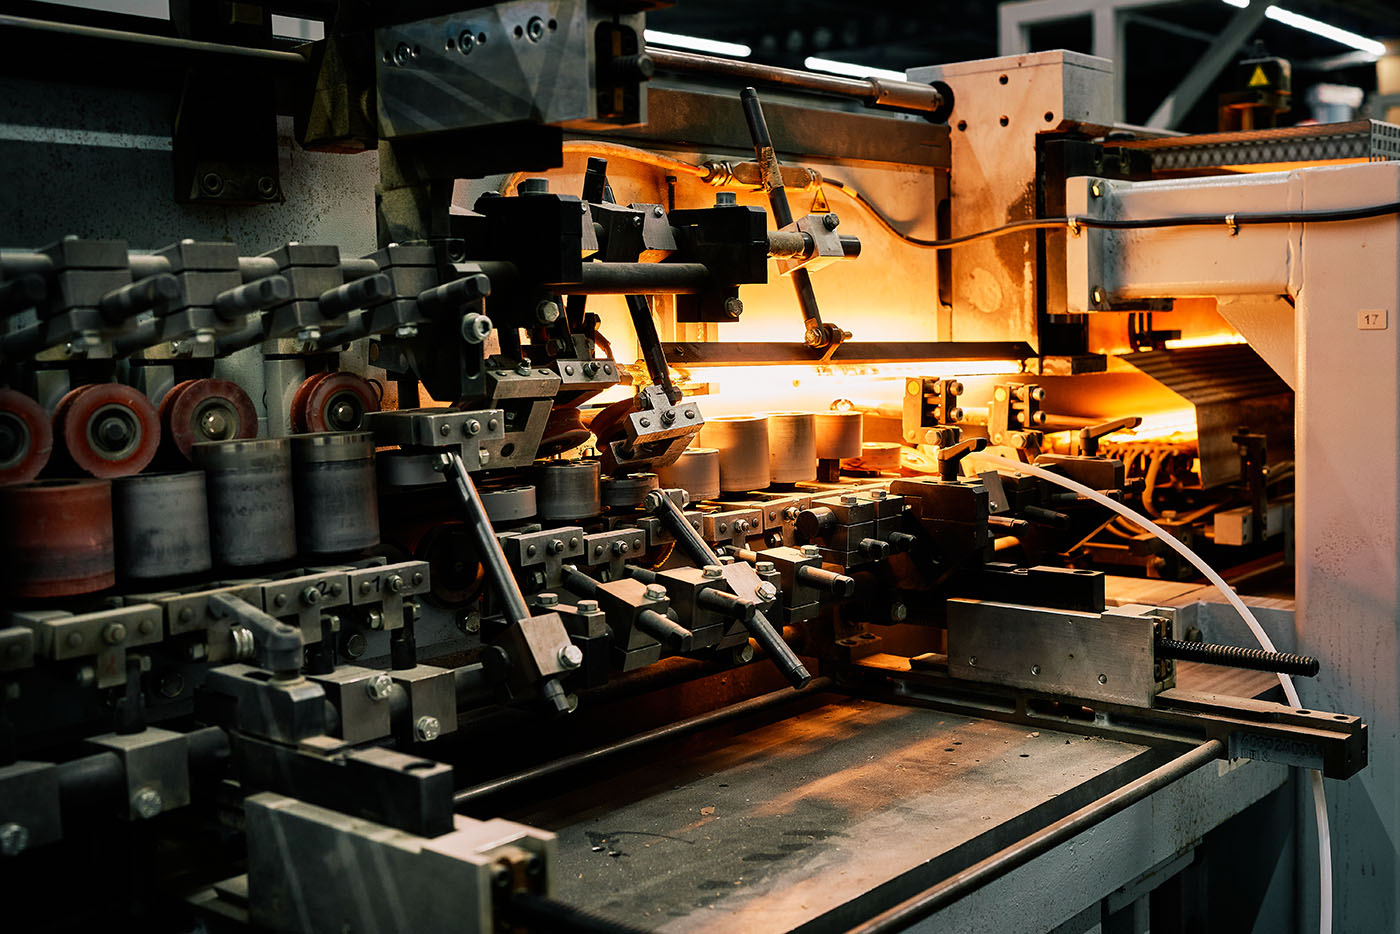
(569, 489)
(252, 519)
(838, 435)
(508, 503)
(337, 502)
(107, 429)
(26, 437)
(742, 441)
(696, 472)
(628, 492)
(56, 538)
(161, 525)
(333, 402)
(876, 455)
(200, 410)
(792, 446)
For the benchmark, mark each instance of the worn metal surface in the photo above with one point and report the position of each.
(819, 820)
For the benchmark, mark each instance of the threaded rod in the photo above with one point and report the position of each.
(1236, 656)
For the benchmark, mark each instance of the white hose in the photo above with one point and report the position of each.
(1324, 842)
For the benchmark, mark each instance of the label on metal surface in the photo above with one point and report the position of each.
(1275, 749)
(1372, 319)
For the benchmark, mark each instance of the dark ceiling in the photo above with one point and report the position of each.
(1162, 41)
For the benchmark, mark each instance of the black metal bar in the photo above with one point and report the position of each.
(1042, 841)
(170, 43)
(894, 95)
(638, 279)
(1236, 656)
(734, 353)
(640, 741)
(488, 548)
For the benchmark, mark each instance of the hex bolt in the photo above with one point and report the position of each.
(379, 686)
(471, 426)
(811, 551)
(147, 803)
(655, 592)
(548, 599)
(765, 592)
(311, 596)
(14, 838)
(555, 546)
(849, 500)
(570, 656)
(791, 513)
(830, 221)
(644, 422)
(395, 584)
(743, 654)
(711, 571)
(765, 567)
(114, 633)
(724, 199)
(587, 606)
(620, 548)
(523, 369)
(427, 729)
(547, 312)
(733, 307)
(899, 612)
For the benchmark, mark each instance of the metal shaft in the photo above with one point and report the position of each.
(1235, 656)
(659, 504)
(492, 557)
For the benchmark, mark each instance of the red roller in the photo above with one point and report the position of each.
(56, 537)
(107, 429)
(333, 402)
(200, 410)
(26, 437)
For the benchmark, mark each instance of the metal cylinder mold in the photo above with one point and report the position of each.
(337, 502)
(877, 455)
(838, 435)
(696, 472)
(161, 525)
(742, 441)
(792, 446)
(56, 538)
(569, 489)
(508, 503)
(628, 492)
(252, 519)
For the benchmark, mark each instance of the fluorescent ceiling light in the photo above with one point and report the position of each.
(697, 44)
(1317, 28)
(850, 70)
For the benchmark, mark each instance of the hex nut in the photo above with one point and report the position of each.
(379, 686)
(427, 729)
(147, 803)
(570, 656)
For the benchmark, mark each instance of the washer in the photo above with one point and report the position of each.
(161, 525)
(26, 437)
(252, 519)
(107, 429)
(337, 501)
(56, 538)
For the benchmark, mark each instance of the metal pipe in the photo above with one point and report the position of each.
(488, 548)
(193, 46)
(638, 279)
(640, 741)
(920, 906)
(894, 95)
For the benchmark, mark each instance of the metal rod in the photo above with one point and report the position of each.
(1237, 656)
(194, 46)
(638, 279)
(640, 741)
(1023, 851)
(488, 548)
(895, 95)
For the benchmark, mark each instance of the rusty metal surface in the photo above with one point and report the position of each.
(812, 819)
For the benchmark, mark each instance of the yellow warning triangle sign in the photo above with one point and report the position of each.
(819, 205)
(1258, 79)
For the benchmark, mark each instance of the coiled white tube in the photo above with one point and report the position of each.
(1324, 842)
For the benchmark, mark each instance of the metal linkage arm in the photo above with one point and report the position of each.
(494, 559)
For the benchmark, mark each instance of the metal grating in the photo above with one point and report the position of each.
(1361, 139)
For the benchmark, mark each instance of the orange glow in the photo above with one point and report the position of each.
(1173, 426)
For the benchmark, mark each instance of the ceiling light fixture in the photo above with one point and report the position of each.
(698, 44)
(850, 70)
(1317, 27)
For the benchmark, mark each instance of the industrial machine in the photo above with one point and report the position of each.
(480, 471)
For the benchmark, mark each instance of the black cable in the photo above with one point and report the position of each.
(1232, 221)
